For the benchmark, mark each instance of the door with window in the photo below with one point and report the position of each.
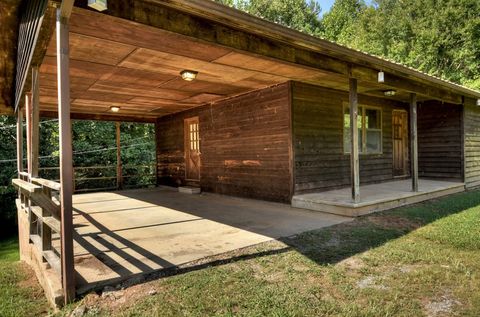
(400, 142)
(192, 149)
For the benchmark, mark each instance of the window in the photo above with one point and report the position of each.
(194, 137)
(369, 122)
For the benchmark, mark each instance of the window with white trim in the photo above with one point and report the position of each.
(369, 123)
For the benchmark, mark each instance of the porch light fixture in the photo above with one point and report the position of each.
(478, 102)
(381, 77)
(188, 75)
(389, 93)
(99, 5)
(114, 109)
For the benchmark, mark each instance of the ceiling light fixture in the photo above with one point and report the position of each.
(381, 77)
(114, 109)
(188, 75)
(389, 93)
(99, 5)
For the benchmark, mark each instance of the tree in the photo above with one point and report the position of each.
(301, 15)
(339, 22)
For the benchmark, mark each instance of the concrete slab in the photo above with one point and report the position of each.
(376, 197)
(122, 234)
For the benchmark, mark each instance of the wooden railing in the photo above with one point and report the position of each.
(39, 198)
(105, 177)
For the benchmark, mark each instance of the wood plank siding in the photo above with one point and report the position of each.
(320, 163)
(472, 145)
(440, 141)
(244, 145)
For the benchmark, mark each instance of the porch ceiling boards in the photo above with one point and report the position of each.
(116, 62)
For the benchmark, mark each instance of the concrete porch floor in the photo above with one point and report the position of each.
(119, 235)
(376, 197)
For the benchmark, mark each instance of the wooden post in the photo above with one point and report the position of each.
(28, 122)
(66, 162)
(35, 127)
(119, 157)
(19, 141)
(413, 142)
(354, 155)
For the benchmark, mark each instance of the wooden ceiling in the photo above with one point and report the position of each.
(115, 62)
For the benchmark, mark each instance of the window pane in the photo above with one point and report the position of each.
(374, 141)
(372, 119)
(346, 130)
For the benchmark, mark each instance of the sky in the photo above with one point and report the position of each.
(325, 5)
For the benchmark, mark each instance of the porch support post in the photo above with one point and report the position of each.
(19, 141)
(35, 133)
(413, 142)
(28, 122)
(119, 157)
(354, 158)
(66, 163)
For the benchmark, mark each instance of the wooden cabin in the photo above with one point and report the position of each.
(242, 107)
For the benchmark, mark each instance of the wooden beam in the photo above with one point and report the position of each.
(354, 155)
(413, 142)
(66, 161)
(119, 157)
(19, 142)
(100, 117)
(35, 120)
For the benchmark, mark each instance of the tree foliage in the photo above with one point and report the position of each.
(301, 15)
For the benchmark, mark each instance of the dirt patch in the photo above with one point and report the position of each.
(29, 280)
(370, 282)
(442, 306)
(393, 222)
(352, 263)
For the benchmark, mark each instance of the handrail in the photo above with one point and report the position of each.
(46, 183)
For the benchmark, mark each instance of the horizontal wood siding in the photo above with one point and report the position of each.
(320, 163)
(244, 143)
(440, 141)
(472, 145)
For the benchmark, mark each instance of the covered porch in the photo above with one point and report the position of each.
(376, 197)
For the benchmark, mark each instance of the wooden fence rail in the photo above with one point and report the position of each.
(39, 198)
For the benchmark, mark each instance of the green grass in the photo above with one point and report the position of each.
(412, 261)
(20, 295)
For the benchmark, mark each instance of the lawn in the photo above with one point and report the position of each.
(421, 260)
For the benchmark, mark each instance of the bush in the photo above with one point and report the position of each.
(8, 211)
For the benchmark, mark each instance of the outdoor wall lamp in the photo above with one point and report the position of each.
(188, 75)
(389, 93)
(381, 77)
(99, 5)
(478, 102)
(114, 109)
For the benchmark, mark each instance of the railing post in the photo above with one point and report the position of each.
(66, 162)
(119, 157)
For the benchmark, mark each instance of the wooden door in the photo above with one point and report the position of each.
(192, 149)
(400, 142)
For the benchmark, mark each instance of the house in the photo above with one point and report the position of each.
(242, 107)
